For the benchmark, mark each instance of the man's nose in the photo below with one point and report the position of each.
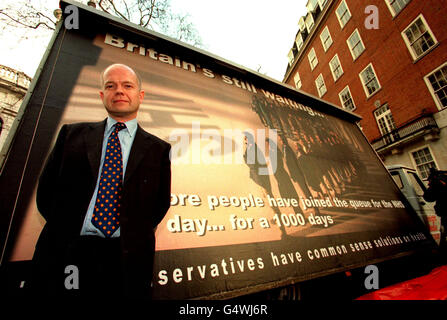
(119, 89)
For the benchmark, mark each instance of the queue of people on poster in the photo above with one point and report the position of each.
(320, 156)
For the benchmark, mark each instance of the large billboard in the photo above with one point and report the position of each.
(270, 186)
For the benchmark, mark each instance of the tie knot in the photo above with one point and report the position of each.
(119, 126)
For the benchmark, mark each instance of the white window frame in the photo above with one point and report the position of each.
(364, 84)
(336, 76)
(432, 90)
(352, 49)
(390, 7)
(312, 52)
(324, 41)
(312, 5)
(409, 45)
(291, 57)
(343, 102)
(302, 24)
(299, 41)
(310, 22)
(385, 123)
(359, 125)
(297, 80)
(322, 4)
(339, 18)
(320, 93)
(414, 161)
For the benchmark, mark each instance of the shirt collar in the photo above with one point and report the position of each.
(131, 125)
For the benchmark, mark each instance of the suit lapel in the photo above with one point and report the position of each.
(93, 140)
(140, 147)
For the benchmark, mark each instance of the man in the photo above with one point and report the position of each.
(104, 189)
(437, 191)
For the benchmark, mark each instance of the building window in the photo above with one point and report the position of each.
(321, 86)
(302, 24)
(312, 5)
(355, 44)
(313, 61)
(359, 125)
(343, 14)
(299, 41)
(322, 3)
(424, 161)
(396, 6)
(346, 99)
(326, 39)
(1, 125)
(386, 123)
(337, 70)
(297, 80)
(418, 37)
(309, 22)
(437, 84)
(369, 80)
(291, 57)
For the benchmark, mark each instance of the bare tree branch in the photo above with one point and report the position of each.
(117, 12)
(152, 14)
(27, 23)
(127, 9)
(102, 6)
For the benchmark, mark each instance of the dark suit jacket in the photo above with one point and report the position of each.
(67, 184)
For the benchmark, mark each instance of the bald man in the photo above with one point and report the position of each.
(104, 189)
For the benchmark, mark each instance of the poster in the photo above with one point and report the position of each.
(268, 188)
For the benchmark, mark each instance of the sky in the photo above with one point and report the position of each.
(250, 33)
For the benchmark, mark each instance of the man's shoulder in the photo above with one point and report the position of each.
(80, 125)
(153, 138)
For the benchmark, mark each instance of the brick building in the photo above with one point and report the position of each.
(385, 60)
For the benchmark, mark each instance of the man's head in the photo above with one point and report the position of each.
(121, 92)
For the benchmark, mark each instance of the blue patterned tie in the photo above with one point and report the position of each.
(107, 207)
